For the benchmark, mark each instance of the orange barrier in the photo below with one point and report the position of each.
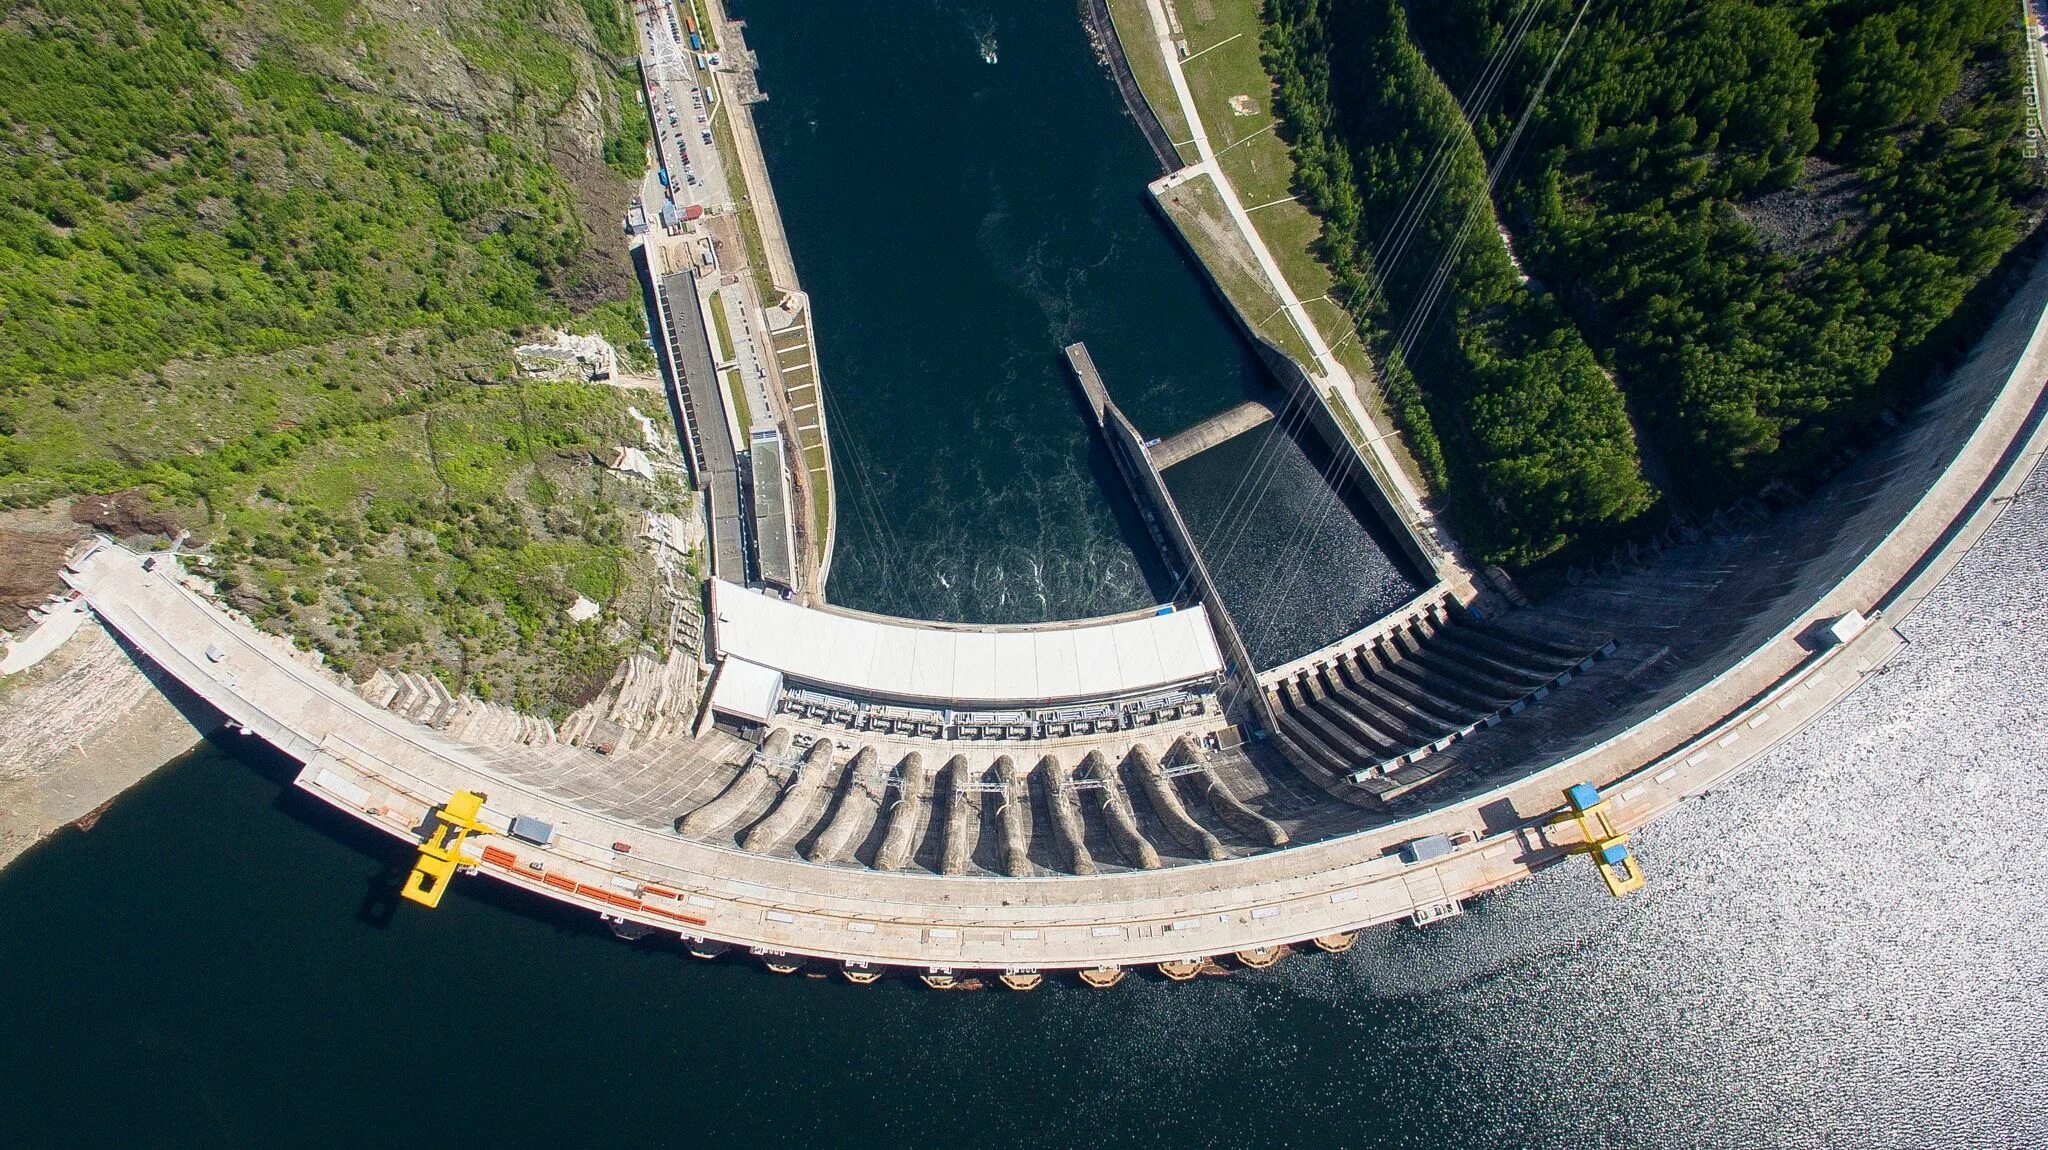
(498, 856)
(692, 919)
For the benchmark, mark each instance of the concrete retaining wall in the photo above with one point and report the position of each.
(1096, 14)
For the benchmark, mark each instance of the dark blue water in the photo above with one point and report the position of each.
(1299, 558)
(956, 224)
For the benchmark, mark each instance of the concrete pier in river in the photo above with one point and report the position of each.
(1210, 432)
(1162, 516)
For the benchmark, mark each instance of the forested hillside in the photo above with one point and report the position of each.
(261, 266)
(1499, 396)
(1753, 212)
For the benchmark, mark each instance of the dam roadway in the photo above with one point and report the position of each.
(390, 773)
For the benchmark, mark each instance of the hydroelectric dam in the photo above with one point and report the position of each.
(882, 794)
(1203, 769)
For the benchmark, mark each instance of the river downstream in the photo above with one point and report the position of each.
(958, 222)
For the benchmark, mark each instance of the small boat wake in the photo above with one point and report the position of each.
(985, 38)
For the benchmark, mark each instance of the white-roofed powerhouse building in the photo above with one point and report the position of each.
(1118, 669)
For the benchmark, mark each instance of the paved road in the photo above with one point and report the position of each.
(675, 87)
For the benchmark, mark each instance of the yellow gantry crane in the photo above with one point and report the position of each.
(441, 853)
(1608, 846)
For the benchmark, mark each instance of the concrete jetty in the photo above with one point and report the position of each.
(1089, 378)
(1211, 432)
(1162, 514)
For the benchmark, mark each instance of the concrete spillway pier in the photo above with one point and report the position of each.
(814, 777)
(908, 817)
(1172, 811)
(963, 817)
(866, 784)
(1117, 813)
(1226, 804)
(1209, 433)
(1065, 803)
(755, 782)
(1013, 817)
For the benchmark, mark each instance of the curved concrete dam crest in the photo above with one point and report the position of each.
(392, 773)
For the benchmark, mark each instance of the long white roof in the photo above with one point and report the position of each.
(907, 660)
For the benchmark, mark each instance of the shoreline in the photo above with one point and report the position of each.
(80, 729)
(759, 193)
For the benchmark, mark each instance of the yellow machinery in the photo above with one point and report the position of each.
(1608, 846)
(441, 853)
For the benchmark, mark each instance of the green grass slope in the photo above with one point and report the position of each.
(263, 261)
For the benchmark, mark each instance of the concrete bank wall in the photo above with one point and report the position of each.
(1360, 471)
(752, 167)
(1095, 13)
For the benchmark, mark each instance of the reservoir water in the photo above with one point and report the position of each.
(1847, 946)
